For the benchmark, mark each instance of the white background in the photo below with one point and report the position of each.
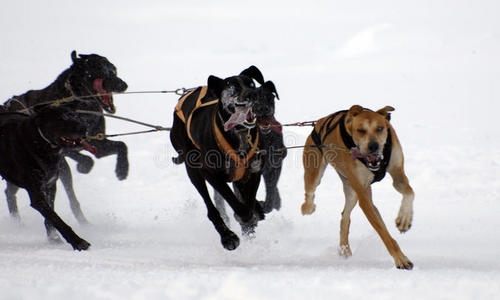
(436, 62)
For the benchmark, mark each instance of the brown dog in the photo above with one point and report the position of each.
(361, 145)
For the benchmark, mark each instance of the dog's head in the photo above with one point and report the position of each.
(369, 132)
(62, 127)
(264, 108)
(237, 96)
(94, 74)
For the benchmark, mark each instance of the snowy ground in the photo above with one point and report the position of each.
(435, 61)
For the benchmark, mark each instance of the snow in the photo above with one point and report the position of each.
(436, 62)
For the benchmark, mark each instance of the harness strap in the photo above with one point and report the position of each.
(241, 163)
(328, 127)
(199, 104)
(52, 145)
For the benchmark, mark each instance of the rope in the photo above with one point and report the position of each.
(57, 102)
(102, 136)
(333, 147)
(156, 127)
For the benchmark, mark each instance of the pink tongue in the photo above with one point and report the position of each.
(97, 85)
(237, 118)
(355, 153)
(89, 148)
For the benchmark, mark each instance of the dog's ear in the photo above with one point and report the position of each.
(215, 85)
(355, 110)
(74, 58)
(253, 72)
(386, 112)
(269, 85)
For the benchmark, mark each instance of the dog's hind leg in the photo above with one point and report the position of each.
(40, 202)
(67, 181)
(350, 202)
(246, 193)
(10, 192)
(402, 185)
(314, 168)
(229, 239)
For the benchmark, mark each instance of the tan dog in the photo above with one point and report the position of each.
(361, 145)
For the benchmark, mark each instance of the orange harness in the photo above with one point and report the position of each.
(241, 163)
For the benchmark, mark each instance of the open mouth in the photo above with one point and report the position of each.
(373, 161)
(79, 142)
(105, 97)
(243, 115)
(269, 123)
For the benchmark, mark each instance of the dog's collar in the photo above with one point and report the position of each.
(329, 125)
(52, 145)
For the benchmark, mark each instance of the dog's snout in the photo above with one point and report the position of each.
(373, 147)
(115, 84)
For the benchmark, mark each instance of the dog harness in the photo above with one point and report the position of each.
(187, 108)
(329, 125)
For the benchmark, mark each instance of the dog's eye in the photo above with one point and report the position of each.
(361, 131)
(380, 128)
(252, 85)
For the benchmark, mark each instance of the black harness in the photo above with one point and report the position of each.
(328, 126)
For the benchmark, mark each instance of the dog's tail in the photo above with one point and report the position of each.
(179, 160)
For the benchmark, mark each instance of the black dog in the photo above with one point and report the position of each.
(30, 155)
(88, 75)
(215, 134)
(274, 149)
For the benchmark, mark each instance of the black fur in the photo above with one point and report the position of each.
(80, 80)
(210, 164)
(271, 142)
(30, 155)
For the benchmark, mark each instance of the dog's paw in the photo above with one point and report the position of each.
(80, 245)
(54, 238)
(122, 170)
(403, 263)
(230, 241)
(84, 165)
(273, 201)
(404, 220)
(308, 208)
(344, 251)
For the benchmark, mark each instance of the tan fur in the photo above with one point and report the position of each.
(365, 127)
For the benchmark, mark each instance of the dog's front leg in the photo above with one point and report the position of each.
(229, 239)
(51, 231)
(84, 162)
(401, 184)
(108, 147)
(314, 168)
(40, 202)
(363, 191)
